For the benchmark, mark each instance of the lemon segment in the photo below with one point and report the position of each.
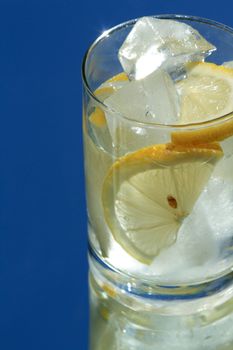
(147, 194)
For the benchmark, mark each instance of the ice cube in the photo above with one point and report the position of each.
(203, 238)
(192, 254)
(153, 43)
(152, 99)
(217, 204)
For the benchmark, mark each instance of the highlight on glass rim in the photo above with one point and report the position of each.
(158, 145)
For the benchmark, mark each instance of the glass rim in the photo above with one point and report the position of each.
(108, 32)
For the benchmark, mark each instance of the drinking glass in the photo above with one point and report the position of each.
(160, 213)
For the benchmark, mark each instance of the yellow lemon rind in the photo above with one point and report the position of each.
(206, 134)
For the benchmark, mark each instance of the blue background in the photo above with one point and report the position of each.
(43, 265)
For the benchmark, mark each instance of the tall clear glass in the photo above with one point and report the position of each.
(160, 213)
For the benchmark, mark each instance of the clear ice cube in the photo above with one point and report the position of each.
(154, 43)
(203, 237)
(152, 99)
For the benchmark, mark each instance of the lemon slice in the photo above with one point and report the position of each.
(111, 85)
(97, 117)
(147, 194)
(206, 94)
(118, 77)
(220, 131)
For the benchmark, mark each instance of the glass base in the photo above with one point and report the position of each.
(127, 314)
